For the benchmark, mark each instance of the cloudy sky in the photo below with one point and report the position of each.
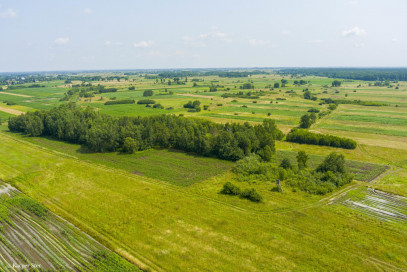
(70, 35)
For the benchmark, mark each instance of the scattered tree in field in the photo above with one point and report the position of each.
(305, 121)
(336, 83)
(132, 88)
(148, 93)
(302, 159)
(276, 85)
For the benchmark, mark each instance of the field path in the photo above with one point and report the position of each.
(22, 95)
(11, 111)
(196, 95)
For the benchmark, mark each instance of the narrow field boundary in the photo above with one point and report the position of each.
(22, 95)
(11, 111)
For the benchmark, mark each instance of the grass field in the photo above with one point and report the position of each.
(34, 239)
(158, 225)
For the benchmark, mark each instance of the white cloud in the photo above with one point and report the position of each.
(359, 45)
(255, 42)
(154, 53)
(285, 32)
(215, 35)
(355, 31)
(316, 41)
(108, 43)
(143, 44)
(29, 44)
(61, 41)
(87, 11)
(8, 13)
(353, 2)
(395, 40)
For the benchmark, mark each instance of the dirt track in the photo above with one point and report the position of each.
(11, 111)
(22, 95)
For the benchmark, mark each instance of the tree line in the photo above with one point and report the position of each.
(368, 74)
(105, 133)
(303, 136)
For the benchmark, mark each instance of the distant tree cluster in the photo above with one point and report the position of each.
(370, 74)
(247, 86)
(355, 102)
(193, 106)
(303, 136)
(123, 101)
(104, 133)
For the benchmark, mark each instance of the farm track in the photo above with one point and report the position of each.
(11, 111)
(144, 262)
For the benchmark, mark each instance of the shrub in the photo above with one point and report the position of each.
(230, 189)
(252, 195)
(286, 164)
(146, 101)
(148, 93)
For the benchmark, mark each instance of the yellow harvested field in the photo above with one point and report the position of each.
(11, 111)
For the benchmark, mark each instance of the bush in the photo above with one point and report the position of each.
(148, 93)
(286, 164)
(230, 189)
(252, 195)
(146, 101)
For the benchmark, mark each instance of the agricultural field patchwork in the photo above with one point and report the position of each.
(163, 209)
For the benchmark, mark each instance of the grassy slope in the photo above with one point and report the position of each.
(169, 228)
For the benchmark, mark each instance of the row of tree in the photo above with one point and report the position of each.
(104, 133)
(303, 136)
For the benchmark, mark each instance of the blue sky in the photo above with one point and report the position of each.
(71, 35)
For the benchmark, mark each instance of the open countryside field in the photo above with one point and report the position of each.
(34, 239)
(162, 209)
(178, 225)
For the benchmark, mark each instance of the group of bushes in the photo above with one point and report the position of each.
(193, 106)
(329, 175)
(303, 136)
(146, 101)
(104, 133)
(250, 194)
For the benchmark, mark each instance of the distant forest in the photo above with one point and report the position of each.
(368, 74)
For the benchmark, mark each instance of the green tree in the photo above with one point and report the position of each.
(276, 85)
(266, 153)
(336, 83)
(286, 164)
(334, 162)
(148, 93)
(305, 121)
(302, 159)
